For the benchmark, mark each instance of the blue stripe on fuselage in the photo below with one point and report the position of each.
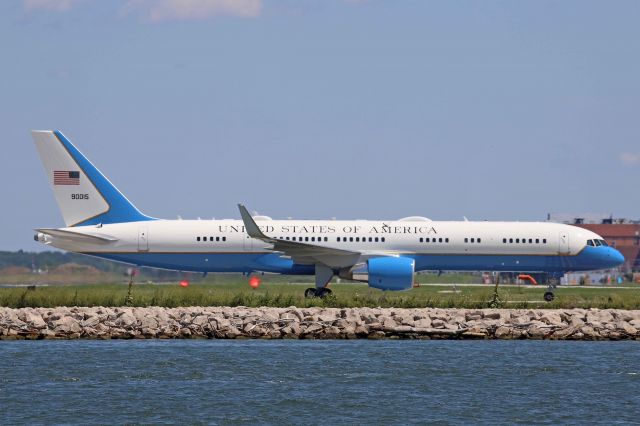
(590, 258)
(212, 262)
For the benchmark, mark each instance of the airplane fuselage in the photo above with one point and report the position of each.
(224, 245)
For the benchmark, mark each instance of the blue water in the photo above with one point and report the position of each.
(319, 382)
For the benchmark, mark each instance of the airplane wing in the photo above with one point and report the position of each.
(301, 253)
(79, 237)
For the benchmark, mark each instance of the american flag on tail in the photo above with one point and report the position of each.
(66, 177)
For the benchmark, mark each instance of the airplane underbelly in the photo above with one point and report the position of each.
(493, 263)
(212, 262)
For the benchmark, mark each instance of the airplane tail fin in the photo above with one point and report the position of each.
(85, 196)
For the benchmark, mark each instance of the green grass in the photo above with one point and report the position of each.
(277, 293)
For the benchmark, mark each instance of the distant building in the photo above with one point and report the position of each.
(623, 234)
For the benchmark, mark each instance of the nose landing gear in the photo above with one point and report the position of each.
(549, 295)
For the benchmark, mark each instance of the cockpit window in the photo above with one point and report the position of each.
(604, 243)
(590, 243)
(598, 243)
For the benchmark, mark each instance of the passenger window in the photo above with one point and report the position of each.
(517, 240)
(326, 238)
(421, 239)
(440, 240)
(370, 239)
(544, 241)
(376, 239)
(382, 239)
(350, 239)
(218, 239)
(357, 239)
(479, 240)
(313, 238)
(224, 238)
(504, 241)
(511, 240)
(466, 240)
(473, 240)
(537, 240)
(446, 240)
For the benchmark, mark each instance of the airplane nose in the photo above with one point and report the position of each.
(616, 258)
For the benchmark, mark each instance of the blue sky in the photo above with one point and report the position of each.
(374, 109)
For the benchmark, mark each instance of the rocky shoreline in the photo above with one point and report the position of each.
(317, 323)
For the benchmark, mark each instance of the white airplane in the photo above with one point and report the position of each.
(102, 222)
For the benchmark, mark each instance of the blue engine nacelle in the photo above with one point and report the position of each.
(391, 273)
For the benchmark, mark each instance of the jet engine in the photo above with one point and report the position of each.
(391, 273)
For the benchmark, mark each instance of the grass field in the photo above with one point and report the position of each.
(277, 293)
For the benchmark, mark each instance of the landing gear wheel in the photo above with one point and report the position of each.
(323, 292)
(549, 296)
(317, 292)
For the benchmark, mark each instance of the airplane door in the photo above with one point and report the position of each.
(563, 243)
(143, 239)
(247, 244)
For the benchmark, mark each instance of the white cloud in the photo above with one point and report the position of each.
(168, 10)
(630, 159)
(57, 5)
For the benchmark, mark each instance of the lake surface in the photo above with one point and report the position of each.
(319, 382)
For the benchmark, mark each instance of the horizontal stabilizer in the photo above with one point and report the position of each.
(80, 237)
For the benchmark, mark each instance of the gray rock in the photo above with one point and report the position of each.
(627, 328)
(66, 325)
(551, 318)
(503, 333)
(90, 322)
(34, 320)
(437, 323)
(565, 332)
(492, 315)
(589, 332)
(424, 323)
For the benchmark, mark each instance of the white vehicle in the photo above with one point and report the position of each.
(102, 222)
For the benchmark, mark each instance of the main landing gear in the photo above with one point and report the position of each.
(323, 277)
(317, 292)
